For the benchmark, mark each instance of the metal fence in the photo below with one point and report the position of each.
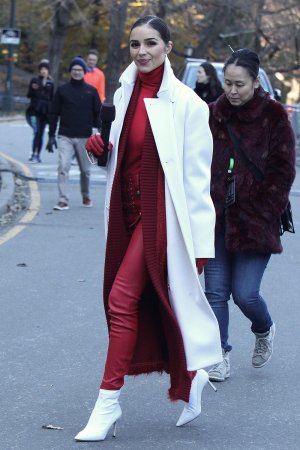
(294, 116)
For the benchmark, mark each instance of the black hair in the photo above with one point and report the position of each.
(214, 82)
(245, 58)
(157, 24)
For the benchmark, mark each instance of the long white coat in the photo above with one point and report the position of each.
(179, 122)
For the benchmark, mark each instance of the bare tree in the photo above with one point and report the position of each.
(268, 26)
(58, 28)
(118, 16)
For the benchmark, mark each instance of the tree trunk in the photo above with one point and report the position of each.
(118, 16)
(57, 33)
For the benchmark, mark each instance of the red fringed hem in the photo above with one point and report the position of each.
(175, 394)
(146, 368)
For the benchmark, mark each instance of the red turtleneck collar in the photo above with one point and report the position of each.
(149, 86)
(152, 78)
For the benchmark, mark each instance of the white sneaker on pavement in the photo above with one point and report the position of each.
(220, 371)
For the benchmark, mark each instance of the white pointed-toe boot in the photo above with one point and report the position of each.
(105, 414)
(193, 407)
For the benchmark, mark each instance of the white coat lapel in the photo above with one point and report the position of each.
(160, 113)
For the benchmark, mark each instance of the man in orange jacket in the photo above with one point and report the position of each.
(95, 76)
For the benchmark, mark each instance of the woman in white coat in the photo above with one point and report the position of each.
(160, 230)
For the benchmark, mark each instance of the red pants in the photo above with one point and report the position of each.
(123, 303)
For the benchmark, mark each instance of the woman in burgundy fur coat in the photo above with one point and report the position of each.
(247, 228)
(160, 223)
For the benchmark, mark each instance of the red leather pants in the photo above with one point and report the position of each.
(123, 302)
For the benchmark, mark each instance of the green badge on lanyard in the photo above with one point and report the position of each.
(230, 196)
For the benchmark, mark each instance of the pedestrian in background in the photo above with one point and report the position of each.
(160, 224)
(94, 75)
(252, 172)
(77, 107)
(208, 85)
(40, 92)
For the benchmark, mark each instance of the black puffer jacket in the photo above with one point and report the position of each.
(267, 138)
(41, 96)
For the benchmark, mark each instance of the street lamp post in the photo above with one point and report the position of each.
(188, 50)
(8, 99)
(187, 53)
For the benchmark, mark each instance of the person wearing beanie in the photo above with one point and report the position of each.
(94, 75)
(78, 61)
(77, 108)
(40, 92)
(44, 63)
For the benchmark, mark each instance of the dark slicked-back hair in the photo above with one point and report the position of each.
(245, 58)
(157, 24)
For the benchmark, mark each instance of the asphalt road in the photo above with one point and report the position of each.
(53, 340)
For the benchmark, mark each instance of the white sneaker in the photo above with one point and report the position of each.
(263, 348)
(220, 371)
(61, 206)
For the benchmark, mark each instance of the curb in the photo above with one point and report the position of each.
(12, 118)
(7, 187)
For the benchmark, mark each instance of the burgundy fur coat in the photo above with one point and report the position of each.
(267, 138)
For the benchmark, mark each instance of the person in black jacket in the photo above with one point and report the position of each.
(208, 85)
(40, 92)
(77, 105)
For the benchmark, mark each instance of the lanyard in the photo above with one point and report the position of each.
(231, 164)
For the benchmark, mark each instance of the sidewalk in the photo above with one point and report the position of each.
(12, 117)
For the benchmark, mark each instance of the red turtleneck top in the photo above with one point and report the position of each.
(149, 86)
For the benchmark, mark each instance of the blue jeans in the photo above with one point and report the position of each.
(238, 274)
(38, 124)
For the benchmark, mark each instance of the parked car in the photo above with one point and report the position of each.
(188, 75)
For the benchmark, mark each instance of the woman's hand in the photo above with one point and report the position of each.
(200, 263)
(95, 145)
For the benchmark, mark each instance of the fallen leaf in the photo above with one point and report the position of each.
(51, 427)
